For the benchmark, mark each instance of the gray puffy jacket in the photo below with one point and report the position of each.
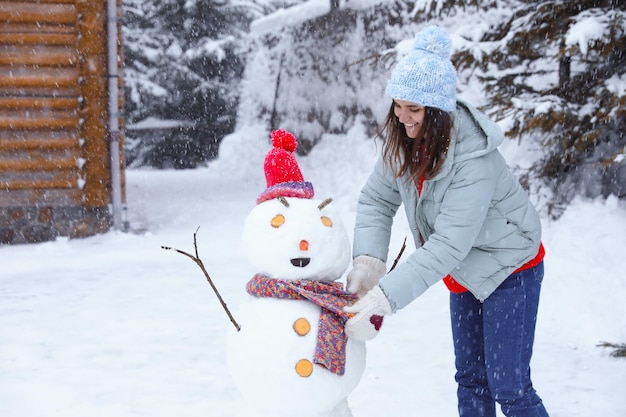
(475, 220)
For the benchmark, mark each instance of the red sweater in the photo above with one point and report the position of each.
(457, 288)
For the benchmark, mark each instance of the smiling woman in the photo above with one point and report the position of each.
(473, 226)
(411, 115)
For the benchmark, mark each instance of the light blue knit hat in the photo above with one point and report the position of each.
(426, 76)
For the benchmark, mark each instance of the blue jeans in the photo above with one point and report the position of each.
(493, 344)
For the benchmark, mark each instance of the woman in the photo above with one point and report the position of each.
(473, 225)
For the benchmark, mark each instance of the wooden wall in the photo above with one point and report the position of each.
(54, 147)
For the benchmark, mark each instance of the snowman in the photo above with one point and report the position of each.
(291, 356)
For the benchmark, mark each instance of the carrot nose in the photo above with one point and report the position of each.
(304, 245)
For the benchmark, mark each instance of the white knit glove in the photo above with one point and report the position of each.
(365, 274)
(368, 315)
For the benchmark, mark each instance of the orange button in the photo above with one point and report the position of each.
(304, 368)
(302, 326)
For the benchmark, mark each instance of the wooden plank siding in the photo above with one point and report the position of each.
(55, 177)
(54, 147)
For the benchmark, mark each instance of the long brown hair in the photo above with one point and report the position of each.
(422, 156)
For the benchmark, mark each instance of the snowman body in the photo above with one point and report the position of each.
(271, 357)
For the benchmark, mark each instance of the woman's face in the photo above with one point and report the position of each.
(411, 115)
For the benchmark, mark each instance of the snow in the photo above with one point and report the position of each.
(115, 326)
(156, 123)
(209, 47)
(290, 16)
(583, 32)
(361, 4)
(617, 85)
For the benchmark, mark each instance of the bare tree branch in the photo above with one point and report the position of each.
(395, 262)
(619, 348)
(199, 262)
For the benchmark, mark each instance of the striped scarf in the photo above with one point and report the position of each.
(330, 349)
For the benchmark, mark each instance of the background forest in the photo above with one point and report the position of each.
(553, 73)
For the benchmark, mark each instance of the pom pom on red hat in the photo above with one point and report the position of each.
(285, 140)
(282, 173)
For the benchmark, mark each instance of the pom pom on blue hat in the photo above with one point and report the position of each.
(426, 75)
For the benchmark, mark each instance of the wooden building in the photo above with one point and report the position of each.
(55, 119)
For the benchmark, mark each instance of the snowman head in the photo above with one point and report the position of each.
(289, 235)
(294, 238)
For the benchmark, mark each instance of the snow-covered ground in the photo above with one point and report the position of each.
(115, 326)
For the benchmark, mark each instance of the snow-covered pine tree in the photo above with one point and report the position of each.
(183, 62)
(555, 73)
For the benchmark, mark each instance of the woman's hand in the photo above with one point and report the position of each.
(365, 274)
(368, 315)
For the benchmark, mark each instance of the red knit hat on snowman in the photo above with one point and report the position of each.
(282, 173)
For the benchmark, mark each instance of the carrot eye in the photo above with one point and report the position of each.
(326, 221)
(278, 221)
